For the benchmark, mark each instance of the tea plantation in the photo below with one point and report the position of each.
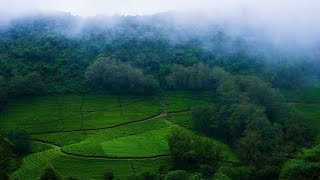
(83, 135)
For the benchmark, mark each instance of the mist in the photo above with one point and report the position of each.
(291, 23)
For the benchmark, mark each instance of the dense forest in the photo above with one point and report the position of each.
(147, 55)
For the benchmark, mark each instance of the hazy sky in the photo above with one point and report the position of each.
(93, 7)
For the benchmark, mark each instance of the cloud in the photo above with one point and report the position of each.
(93, 7)
(291, 19)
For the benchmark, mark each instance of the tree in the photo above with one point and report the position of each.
(305, 166)
(190, 151)
(207, 120)
(108, 175)
(3, 92)
(197, 77)
(236, 172)
(118, 77)
(21, 141)
(221, 176)
(207, 171)
(176, 175)
(6, 158)
(28, 85)
(262, 94)
(299, 132)
(49, 173)
(147, 175)
(180, 143)
(252, 116)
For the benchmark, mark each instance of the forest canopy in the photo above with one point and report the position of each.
(120, 77)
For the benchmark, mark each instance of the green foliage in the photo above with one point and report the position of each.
(124, 141)
(285, 78)
(147, 144)
(28, 85)
(119, 77)
(221, 176)
(38, 147)
(195, 176)
(147, 175)
(32, 164)
(197, 77)
(39, 56)
(189, 150)
(108, 175)
(236, 172)
(7, 160)
(21, 141)
(305, 166)
(305, 103)
(264, 95)
(176, 175)
(3, 92)
(206, 171)
(49, 173)
(251, 115)
(71, 178)
(183, 119)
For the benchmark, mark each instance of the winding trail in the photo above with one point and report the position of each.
(117, 125)
(101, 128)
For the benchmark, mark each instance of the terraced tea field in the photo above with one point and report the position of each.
(84, 135)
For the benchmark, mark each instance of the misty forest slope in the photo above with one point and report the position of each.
(155, 97)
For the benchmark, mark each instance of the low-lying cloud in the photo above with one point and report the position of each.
(293, 21)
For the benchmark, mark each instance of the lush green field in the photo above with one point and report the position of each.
(84, 135)
(307, 102)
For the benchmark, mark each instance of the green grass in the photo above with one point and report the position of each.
(102, 119)
(121, 115)
(175, 104)
(38, 147)
(84, 168)
(68, 124)
(31, 112)
(183, 119)
(61, 139)
(91, 129)
(311, 112)
(33, 164)
(227, 153)
(151, 143)
(307, 94)
(91, 146)
(307, 102)
(100, 102)
(141, 110)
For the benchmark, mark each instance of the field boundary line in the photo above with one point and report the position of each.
(109, 127)
(99, 157)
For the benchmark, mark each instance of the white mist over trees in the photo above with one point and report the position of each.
(285, 22)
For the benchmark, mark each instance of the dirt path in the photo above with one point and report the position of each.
(118, 125)
(101, 128)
